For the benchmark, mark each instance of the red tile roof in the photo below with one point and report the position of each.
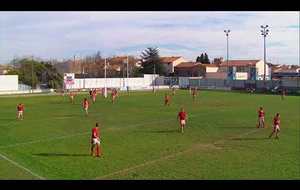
(187, 65)
(239, 63)
(286, 69)
(169, 59)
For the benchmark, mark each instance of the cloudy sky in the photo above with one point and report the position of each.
(64, 34)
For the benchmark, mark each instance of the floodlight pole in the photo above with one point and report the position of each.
(105, 88)
(127, 60)
(123, 68)
(227, 36)
(154, 77)
(264, 33)
(31, 74)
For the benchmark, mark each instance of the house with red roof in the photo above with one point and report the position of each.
(170, 62)
(245, 69)
(195, 69)
(285, 71)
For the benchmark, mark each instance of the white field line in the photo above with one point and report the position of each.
(82, 133)
(20, 166)
(167, 157)
(79, 134)
(9, 123)
(45, 140)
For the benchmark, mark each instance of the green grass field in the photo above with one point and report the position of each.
(141, 138)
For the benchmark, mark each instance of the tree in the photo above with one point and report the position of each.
(206, 59)
(32, 72)
(203, 58)
(218, 60)
(149, 60)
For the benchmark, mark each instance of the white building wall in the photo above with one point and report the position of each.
(177, 62)
(8, 82)
(133, 83)
(260, 70)
(211, 69)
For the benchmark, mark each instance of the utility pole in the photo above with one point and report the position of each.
(264, 33)
(154, 77)
(227, 36)
(105, 88)
(32, 74)
(123, 73)
(127, 61)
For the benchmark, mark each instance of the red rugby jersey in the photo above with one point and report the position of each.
(182, 115)
(261, 113)
(95, 133)
(20, 107)
(276, 120)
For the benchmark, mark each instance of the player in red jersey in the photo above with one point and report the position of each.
(85, 105)
(276, 126)
(261, 118)
(90, 93)
(194, 93)
(94, 94)
(182, 116)
(167, 100)
(95, 141)
(20, 111)
(114, 94)
(72, 97)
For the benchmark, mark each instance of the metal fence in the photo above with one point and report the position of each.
(288, 84)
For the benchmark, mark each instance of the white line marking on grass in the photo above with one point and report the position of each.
(84, 133)
(9, 123)
(46, 140)
(193, 147)
(79, 134)
(20, 166)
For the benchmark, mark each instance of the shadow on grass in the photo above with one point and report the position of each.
(249, 139)
(237, 127)
(165, 131)
(61, 154)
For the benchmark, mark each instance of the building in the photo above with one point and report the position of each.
(171, 62)
(285, 71)
(4, 69)
(188, 69)
(245, 69)
(209, 68)
(196, 69)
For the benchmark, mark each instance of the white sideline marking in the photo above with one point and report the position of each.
(20, 166)
(169, 156)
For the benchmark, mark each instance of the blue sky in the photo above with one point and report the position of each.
(62, 34)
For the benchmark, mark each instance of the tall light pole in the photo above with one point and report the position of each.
(154, 77)
(264, 33)
(123, 69)
(32, 74)
(83, 77)
(105, 89)
(127, 61)
(227, 36)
